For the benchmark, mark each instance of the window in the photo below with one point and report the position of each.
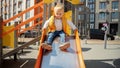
(27, 25)
(5, 8)
(114, 15)
(82, 0)
(5, 1)
(91, 7)
(19, 5)
(2, 2)
(14, 9)
(9, 15)
(92, 17)
(81, 17)
(102, 15)
(91, 0)
(115, 5)
(27, 6)
(102, 5)
(37, 1)
(27, 3)
(5, 16)
(80, 8)
(62, 1)
(1, 10)
(91, 26)
(27, 15)
(9, 24)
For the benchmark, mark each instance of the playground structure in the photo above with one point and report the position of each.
(17, 27)
(16, 33)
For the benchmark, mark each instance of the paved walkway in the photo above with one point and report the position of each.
(95, 55)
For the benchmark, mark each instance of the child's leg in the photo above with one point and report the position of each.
(51, 37)
(62, 37)
(64, 45)
(46, 46)
(49, 41)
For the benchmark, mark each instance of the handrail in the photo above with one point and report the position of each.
(79, 50)
(40, 53)
(21, 47)
(29, 28)
(23, 23)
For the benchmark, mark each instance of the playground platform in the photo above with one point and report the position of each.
(94, 54)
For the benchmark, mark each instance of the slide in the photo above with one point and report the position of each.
(61, 59)
(71, 58)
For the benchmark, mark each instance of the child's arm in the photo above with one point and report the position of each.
(44, 28)
(72, 25)
(45, 25)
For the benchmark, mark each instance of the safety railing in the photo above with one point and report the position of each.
(18, 26)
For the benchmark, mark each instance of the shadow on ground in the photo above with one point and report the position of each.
(97, 64)
(103, 63)
(117, 63)
(86, 49)
(21, 63)
(29, 63)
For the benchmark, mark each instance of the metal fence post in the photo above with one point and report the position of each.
(105, 38)
(44, 13)
(1, 20)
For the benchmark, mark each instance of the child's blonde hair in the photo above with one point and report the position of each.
(59, 6)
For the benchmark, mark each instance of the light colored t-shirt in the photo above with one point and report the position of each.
(58, 24)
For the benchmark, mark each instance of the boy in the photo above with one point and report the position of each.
(57, 25)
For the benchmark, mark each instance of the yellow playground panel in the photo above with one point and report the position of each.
(74, 1)
(68, 15)
(8, 40)
(48, 1)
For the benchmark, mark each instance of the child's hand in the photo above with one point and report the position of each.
(75, 31)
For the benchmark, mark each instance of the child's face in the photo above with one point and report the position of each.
(59, 13)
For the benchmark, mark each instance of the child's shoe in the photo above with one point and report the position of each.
(46, 46)
(64, 46)
(46, 52)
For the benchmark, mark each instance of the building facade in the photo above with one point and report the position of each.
(108, 11)
(94, 12)
(101, 12)
(10, 8)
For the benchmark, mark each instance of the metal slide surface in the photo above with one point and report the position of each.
(61, 59)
